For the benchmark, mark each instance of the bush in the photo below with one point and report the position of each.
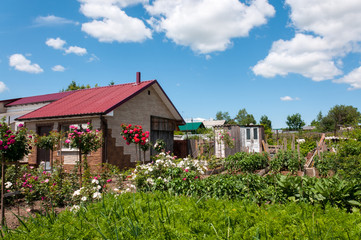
(287, 160)
(246, 162)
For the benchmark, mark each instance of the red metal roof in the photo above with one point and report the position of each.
(40, 98)
(91, 101)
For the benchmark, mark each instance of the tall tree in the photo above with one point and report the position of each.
(243, 118)
(223, 116)
(340, 115)
(295, 122)
(265, 122)
(316, 122)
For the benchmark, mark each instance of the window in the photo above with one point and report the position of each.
(248, 133)
(255, 133)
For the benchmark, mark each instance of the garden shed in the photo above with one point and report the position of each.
(191, 127)
(106, 108)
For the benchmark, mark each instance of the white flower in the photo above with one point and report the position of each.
(97, 195)
(165, 180)
(116, 190)
(150, 181)
(95, 181)
(75, 208)
(8, 184)
(99, 187)
(83, 199)
(76, 193)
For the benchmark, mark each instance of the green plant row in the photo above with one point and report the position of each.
(162, 216)
(278, 188)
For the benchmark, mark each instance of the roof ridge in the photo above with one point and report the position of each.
(115, 85)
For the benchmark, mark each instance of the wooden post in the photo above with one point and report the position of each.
(284, 143)
(293, 142)
(2, 190)
(80, 167)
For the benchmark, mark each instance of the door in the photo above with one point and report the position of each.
(43, 155)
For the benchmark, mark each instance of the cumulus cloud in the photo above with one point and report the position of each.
(110, 23)
(58, 68)
(304, 54)
(76, 50)
(288, 98)
(332, 27)
(353, 79)
(52, 20)
(207, 25)
(55, 43)
(3, 87)
(20, 63)
(58, 43)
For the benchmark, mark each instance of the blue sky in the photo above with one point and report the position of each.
(273, 58)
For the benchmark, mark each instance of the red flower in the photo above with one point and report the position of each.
(184, 179)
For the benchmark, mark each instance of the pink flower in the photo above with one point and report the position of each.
(31, 167)
(184, 179)
(21, 125)
(67, 141)
(46, 180)
(131, 131)
(42, 198)
(109, 180)
(195, 177)
(186, 170)
(30, 136)
(54, 184)
(125, 131)
(96, 178)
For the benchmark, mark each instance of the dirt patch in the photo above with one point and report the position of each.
(21, 209)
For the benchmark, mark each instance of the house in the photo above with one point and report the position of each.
(106, 108)
(191, 127)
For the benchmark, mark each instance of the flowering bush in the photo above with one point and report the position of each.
(86, 140)
(134, 134)
(166, 171)
(225, 137)
(159, 146)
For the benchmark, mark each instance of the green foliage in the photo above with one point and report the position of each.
(161, 216)
(287, 160)
(265, 122)
(223, 116)
(74, 86)
(307, 146)
(295, 122)
(326, 162)
(246, 162)
(243, 118)
(340, 115)
(49, 142)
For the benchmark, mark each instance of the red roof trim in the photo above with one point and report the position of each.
(40, 98)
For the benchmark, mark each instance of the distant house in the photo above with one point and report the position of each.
(213, 123)
(192, 127)
(106, 108)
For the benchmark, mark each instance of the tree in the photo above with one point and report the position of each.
(316, 122)
(295, 122)
(265, 122)
(340, 115)
(223, 116)
(243, 118)
(74, 86)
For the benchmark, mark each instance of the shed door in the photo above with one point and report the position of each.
(42, 154)
(162, 128)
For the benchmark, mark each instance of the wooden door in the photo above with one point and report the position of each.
(42, 154)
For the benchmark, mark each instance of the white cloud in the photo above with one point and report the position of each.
(93, 57)
(52, 20)
(3, 87)
(55, 43)
(207, 25)
(20, 63)
(58, 68)
(76, 50)
(304, 54)
(353, 79)
(329, 30)
(110, 23)
(288, 98)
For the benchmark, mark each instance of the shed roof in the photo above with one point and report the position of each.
(191, 126)
(93, 101)
(39, 99)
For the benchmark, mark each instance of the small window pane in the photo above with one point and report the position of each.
(255, 133)
(248, 132)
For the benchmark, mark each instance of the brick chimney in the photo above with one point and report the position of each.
(138, 78)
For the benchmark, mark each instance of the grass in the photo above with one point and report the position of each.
(161, 216)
